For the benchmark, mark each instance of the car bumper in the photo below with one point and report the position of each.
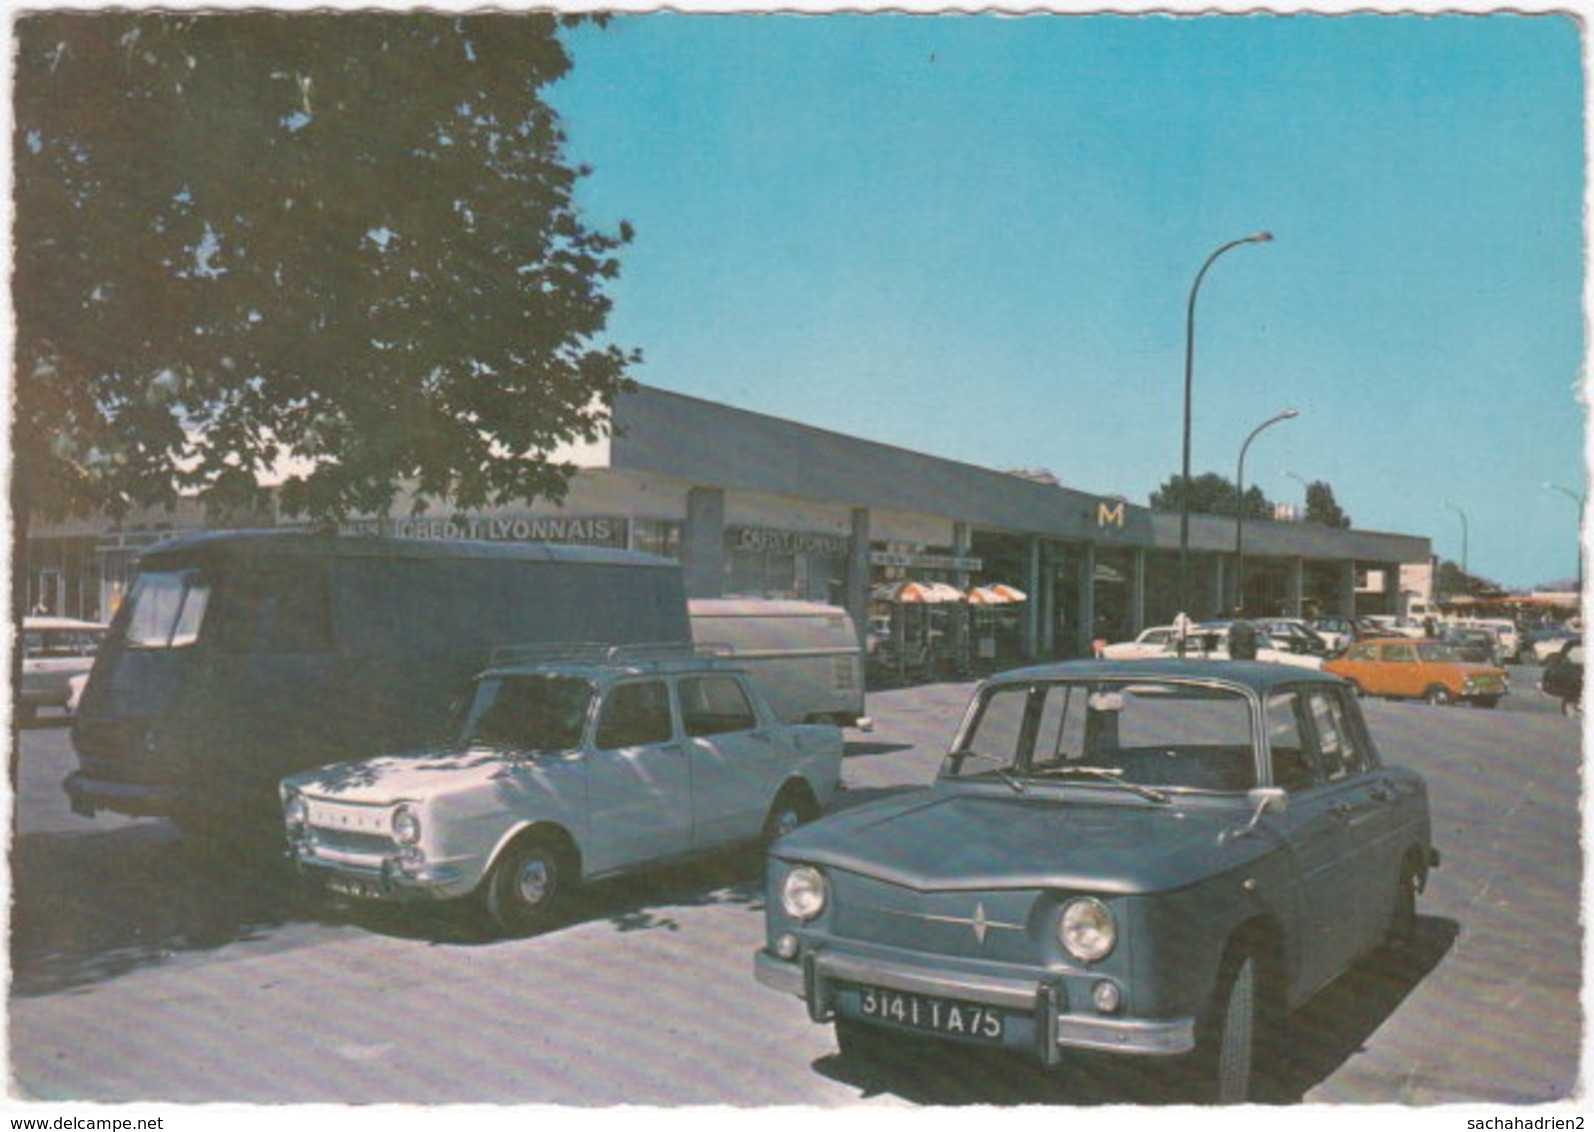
(380, 878)
(88, 795)
(820, 977)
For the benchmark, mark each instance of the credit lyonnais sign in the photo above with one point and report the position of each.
(599, 530)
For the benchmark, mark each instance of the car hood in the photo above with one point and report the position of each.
(969, 838)
(406, 776)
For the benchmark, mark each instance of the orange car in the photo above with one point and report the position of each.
(1418, 669)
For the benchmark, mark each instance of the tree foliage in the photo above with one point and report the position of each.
(340, 244)
(1321, 507)
(1210, 494)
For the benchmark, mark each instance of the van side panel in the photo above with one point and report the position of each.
(806, 656)
(313, 652)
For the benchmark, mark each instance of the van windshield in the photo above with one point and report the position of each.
(167, 609)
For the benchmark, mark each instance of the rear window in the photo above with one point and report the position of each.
(166, 609)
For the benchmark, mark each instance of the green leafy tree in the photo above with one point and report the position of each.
(342, 245)
(1210, 494)
(1321, 506)
(1450, 581)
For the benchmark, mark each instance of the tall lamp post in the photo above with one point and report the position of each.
(1184, 466)
(1306, 487)
(1457, 509)
(1239, 513)
(1582, 502)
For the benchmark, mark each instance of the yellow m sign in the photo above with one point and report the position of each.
(1110, 514)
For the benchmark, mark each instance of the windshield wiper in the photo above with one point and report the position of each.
(1000, 769)
(1110, 775)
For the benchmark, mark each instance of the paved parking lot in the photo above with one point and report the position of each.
(143, 969)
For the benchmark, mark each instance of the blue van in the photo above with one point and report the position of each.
(239, 657)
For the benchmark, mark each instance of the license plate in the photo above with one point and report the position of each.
(355, 886)
(937, 1015)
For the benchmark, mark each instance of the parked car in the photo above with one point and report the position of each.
(1504, 629)
(569, 764)
(1563, 677)
(1293, 635)
(1544, 641)
(1142, 858)
(1210, 640)
(1412, 669)
(1155, 641)
(54, 650)
(1476, 646)
(1337, 632)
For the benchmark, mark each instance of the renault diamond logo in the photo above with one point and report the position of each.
(981, 921)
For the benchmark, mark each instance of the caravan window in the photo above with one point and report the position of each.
(280, 607)
(167, 609)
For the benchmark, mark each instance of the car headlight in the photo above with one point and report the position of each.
(803, 893)
(296, 811)
(406, 825)
(1086, 929)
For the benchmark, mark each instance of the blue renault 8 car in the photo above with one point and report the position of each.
(1153, 859)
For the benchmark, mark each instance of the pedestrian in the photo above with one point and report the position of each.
(1242, 638)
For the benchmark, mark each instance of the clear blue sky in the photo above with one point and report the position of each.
(975, 236)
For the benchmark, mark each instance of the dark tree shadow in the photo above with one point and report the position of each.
(91, 906)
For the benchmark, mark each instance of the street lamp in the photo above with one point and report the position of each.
(1239, 514)
(1582, 502)
(1457, 509)
(1189, 372)
(1305, 487)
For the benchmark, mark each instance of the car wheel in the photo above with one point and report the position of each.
(1571, 707)
(1237, 1029)
(1438, 695)
(1403, 918)
(526, 886)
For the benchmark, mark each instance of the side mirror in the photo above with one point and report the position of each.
(1266, 800)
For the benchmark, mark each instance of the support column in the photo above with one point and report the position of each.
(1294, 587)
(1085, 630)
(1039, 602)
(703, 542)
(1346, 598)
(858, 575)
(1220, 584)
(1137, 591)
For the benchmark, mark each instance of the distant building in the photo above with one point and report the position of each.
(756, 505)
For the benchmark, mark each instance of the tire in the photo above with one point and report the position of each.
(1438, 695)
(526, 887)
(1570, 707)
(1226, 1045)
(1403, 916)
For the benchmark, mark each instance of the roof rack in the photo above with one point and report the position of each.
(592, 652)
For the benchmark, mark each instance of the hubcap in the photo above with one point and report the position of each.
(534, 880)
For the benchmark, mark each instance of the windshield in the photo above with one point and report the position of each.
(532, 713)
(1435, 652)
(1145, 736)
(166, 609)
